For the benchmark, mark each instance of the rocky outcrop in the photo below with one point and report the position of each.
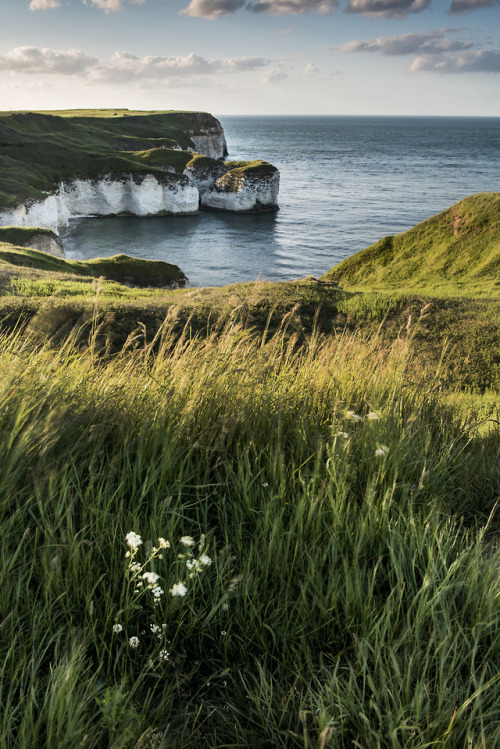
(49, 243)
(211, 141)
(245, 190)
(144, 195)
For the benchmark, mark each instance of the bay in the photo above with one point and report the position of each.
(345, 183)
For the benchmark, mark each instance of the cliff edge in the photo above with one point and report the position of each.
(55, 166)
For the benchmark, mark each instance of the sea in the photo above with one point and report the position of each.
(345, 183)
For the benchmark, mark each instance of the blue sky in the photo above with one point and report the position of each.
(388, 57)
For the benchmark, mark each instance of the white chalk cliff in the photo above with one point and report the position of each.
(214, 186)
(140, 195)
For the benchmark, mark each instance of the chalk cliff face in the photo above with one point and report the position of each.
(161, 180)
(137, 195)
(245, 190)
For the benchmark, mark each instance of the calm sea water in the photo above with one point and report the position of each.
(345, 183)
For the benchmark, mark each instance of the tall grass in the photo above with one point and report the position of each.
(353, 597)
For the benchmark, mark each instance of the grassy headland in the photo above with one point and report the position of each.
(327, 464)
(39, 150)
(456, 252)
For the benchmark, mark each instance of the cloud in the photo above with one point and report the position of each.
(124, 67)
(293, 7)
(386, 8)
(273, 76)
(470, 61)
(36, 60)
(310, 70)
(434, 52)
(212, 8)
(111, 5)
(430, 42)
(44, 4)
(461, 6)
(215, 8)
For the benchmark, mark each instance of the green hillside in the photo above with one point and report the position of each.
(454, 252)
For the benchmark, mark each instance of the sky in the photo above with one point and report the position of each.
(330, 57)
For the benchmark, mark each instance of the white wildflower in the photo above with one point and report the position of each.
(344, 435)
(117, 628)
(353, 416)
(265, 485)
(133, 540)
(381, 451)
(155, 629)
(163, 543)
(135, 567)
(187, 540)
(205, 560)
(150, 577)
(164, 655)
(134, 642)
(178, 589)
(157, 592)
(372, 416)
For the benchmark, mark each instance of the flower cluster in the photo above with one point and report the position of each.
(194, 564)
(142, 579)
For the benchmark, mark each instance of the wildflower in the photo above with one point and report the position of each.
(205, 560)
(134, 642)
(135, 567)
(344, 435)
(265, 485)
(163, 543)
(150, 577)
(133, 540)
(164, 655)
(117, 628)
(157, 592)
(155, 629)
(179, 589)
(187, 540)
(223, 633)
(372, 416)
(353, 416)
(381, 451)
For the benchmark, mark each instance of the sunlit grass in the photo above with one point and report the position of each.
(353, 595)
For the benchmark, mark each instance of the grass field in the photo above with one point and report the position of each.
(264, 515)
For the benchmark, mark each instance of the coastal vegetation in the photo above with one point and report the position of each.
(260, 515)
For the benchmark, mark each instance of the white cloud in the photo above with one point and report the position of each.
(310, 70)
(36, 60)
(293, 7)
(469, 61)
(111, 5)
(124, 67)
(215, 8)
(434, 52)
(212, 8)
(428, 42)
(108, 5)
(44, 4)
(386, 8)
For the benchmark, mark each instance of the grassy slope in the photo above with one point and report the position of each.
(347, 507)
(456, 252)
(120, 268)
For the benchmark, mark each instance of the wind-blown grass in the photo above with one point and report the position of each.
(353, 597)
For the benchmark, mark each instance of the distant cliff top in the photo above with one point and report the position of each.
(40, 149)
